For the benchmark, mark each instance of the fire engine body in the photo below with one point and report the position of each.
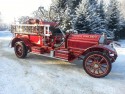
(47, 40)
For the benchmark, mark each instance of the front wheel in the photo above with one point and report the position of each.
(97, 64)
(20, 50)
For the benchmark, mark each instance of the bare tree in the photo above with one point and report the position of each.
(41, 13)
(23, 19)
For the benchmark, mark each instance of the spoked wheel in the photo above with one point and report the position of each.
(97, 65)
(20, 50)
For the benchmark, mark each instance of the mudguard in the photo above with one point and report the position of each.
(105, 49)
(102, 47)
(24, 40)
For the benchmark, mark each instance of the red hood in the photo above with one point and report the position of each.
(82, 41)
(85, 37)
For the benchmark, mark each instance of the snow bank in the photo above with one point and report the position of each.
(122, 42)
(41, 75)
(5, 35)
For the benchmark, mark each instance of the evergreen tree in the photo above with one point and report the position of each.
(66, 19)
(61, 4)
(57, 9)
(81, 24)
(102, 16)
(65, 11)
(122, 26)
(100, 10)
(94, 17)
(113, 15)
(58, 6)
(70, 13)
(91, 17)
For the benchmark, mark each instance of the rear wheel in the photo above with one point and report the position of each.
(97, 64)
(20, 50)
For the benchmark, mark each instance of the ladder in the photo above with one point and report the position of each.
(31, 29)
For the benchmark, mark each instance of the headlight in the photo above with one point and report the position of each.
(111, 54)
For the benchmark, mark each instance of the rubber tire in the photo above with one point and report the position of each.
(100, 53)
(24, 48)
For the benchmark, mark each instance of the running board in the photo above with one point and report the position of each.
(48, 55)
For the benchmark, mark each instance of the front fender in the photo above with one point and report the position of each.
(24, 40)
(106, 49)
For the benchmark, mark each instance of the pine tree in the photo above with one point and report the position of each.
(100, 10)
(87, 18)
(94, 17)
(113, 18)
(66, 12)
(102, 16)
(81, 23)
(91, 17)
(71, 12)
(66, 19)
(61, 4)
(122, 25)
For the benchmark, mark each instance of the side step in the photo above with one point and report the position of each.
(38, 50)
(63, 54)
(49, 55)
(57, 54)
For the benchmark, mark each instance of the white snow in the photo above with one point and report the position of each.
(41, 75)
(5, 35)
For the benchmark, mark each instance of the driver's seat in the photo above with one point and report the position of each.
(56, 37)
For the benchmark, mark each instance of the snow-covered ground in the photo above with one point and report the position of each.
(41, 75)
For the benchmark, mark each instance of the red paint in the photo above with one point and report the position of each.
(74, 46)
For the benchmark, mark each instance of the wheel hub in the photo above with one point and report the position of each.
(19, 49)
(96, 65)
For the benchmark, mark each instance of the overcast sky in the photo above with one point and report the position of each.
(11, 9)
(16, 8)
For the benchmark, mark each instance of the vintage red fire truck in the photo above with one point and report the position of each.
(45, 39)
